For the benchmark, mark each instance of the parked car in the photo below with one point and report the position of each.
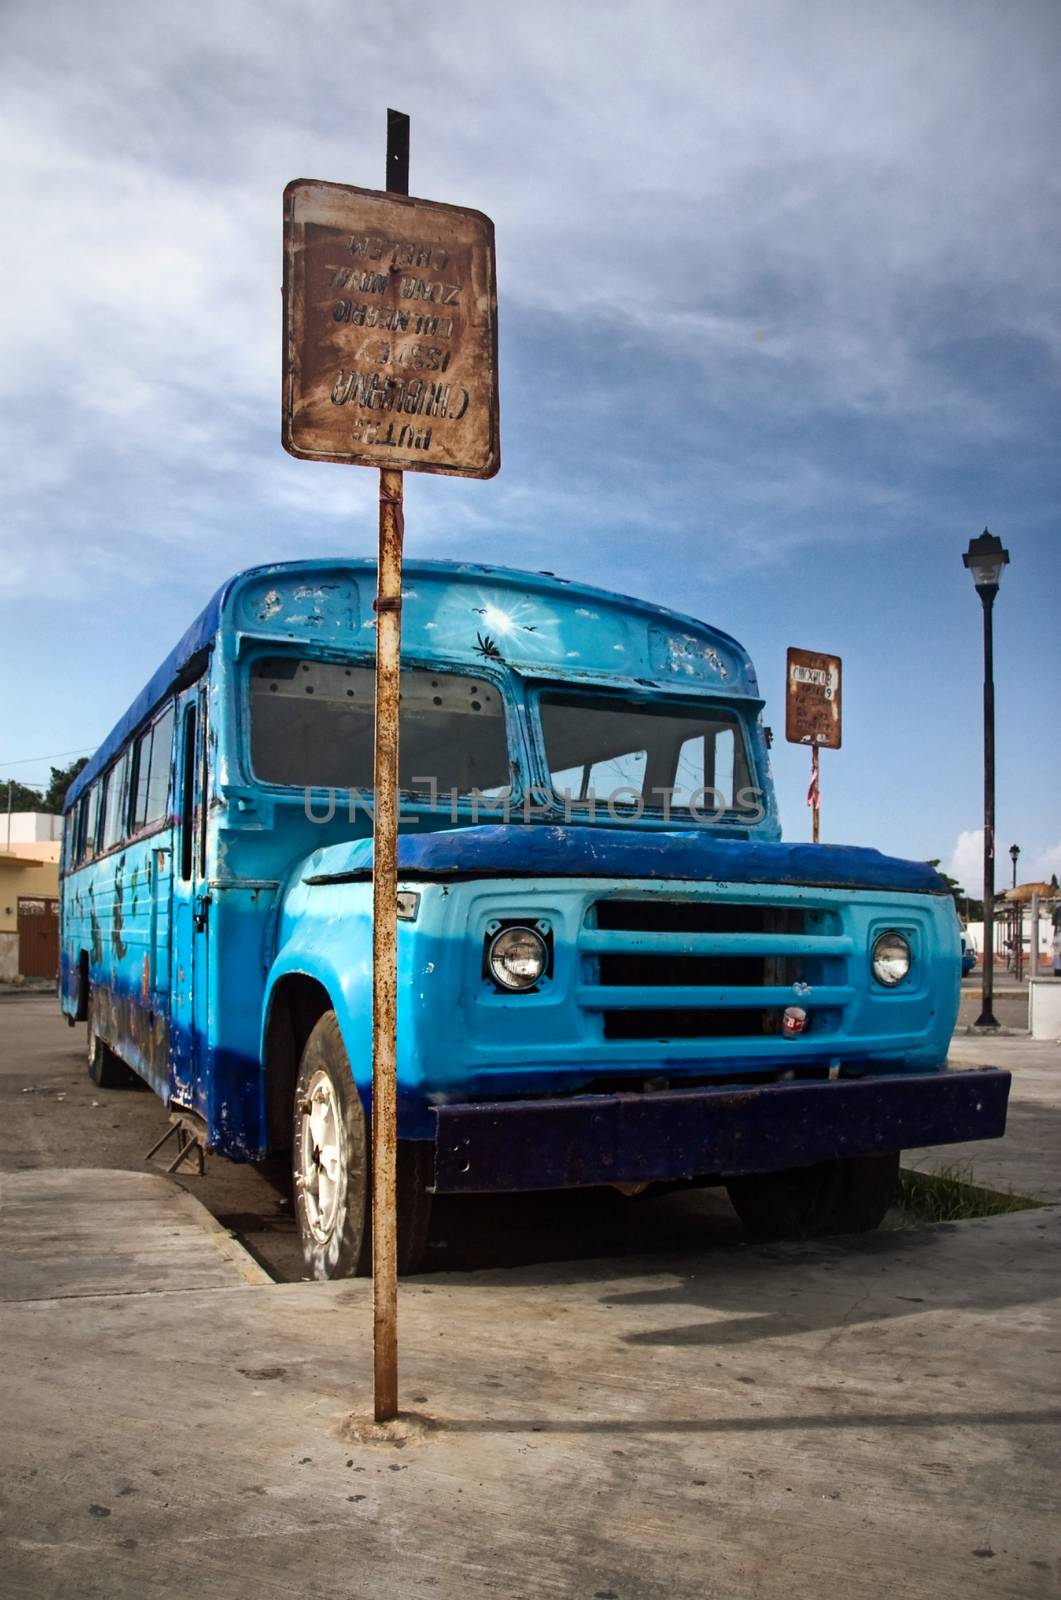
(968, 954)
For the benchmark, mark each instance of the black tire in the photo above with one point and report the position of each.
(107, 1070)
(332, 1171)
(844, 1196)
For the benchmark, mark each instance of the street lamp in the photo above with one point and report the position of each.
(1017, 920)
(985, 559)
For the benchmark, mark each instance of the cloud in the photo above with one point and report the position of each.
(779, 304)
(966, 864)
(742, 254)
(1041, 868)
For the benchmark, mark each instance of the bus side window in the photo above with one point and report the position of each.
(77, 848)
(204, 790)
(151, 783)
(71, 829)
(161, 761)
(95, 820)
(89, 829)
(141, 770)
(188, 794)
(115, 803)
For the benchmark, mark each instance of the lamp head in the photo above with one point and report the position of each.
(985, 559)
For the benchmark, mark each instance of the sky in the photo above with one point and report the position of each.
(780, 321)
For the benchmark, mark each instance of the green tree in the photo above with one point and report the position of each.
(60, 781)
(15, 796)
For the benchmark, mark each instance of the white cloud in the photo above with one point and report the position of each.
(730, 225)
(778, 284)
(966, 862)
(1041, 868)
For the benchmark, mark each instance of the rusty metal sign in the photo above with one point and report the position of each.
(390, 331)
(812, 699)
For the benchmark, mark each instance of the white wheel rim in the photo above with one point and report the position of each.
(321, 1165)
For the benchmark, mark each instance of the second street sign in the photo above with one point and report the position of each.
(390, 331)
(812, 699)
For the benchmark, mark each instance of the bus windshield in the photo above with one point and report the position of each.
(662, 757)
(312, 721)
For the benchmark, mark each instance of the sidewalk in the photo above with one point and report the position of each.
(874, 1415)
(9, 991)
(1028, 1160)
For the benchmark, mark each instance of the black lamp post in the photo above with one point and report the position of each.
(1017, 920)
(985, 559)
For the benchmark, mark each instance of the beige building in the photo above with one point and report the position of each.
(29, 895)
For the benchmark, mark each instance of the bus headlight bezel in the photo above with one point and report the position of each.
(891, 958)
(535, 958)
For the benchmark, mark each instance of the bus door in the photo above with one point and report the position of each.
(191, 903)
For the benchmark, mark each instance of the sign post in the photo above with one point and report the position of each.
(390, 361)
(388, 607)
(813, 713)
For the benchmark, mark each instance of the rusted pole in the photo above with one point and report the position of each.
(815, 784)
(385, 895)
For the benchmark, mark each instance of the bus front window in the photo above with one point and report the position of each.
(662, 756)
(312, 727)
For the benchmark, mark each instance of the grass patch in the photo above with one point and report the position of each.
(951, 1195)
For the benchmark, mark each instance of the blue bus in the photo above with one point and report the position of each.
(612, 970)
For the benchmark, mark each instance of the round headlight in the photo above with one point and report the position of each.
(890, 959)
(517, 958)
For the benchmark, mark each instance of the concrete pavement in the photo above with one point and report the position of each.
(875, 1414)
(1028, 1160)
(91, 1233)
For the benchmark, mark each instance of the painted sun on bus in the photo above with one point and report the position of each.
(611, 969)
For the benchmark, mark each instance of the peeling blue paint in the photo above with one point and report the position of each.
(550, 851)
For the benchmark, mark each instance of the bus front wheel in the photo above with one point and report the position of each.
(850, 1195)
(332, 1169)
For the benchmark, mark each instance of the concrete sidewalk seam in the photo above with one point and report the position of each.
(132, 1294)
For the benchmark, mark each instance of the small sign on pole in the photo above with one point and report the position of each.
(813, 713)
(390, 361)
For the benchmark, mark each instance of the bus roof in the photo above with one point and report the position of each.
(533, 621)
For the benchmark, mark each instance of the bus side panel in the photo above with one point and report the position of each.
(240, 917)
(128, 913)
(75, 942)
(218, 929)
(141, 919)
(190, 1016)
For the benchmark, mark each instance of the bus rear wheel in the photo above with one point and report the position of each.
(107, 1070)
(850, 1195)
(332, 1168)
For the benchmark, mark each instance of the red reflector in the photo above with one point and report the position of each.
(793, 1021)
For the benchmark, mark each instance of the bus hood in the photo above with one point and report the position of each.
(544, 851)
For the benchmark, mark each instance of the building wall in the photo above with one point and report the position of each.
(21, 874)
(45, 850)
(975, 930)
(29, 827)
